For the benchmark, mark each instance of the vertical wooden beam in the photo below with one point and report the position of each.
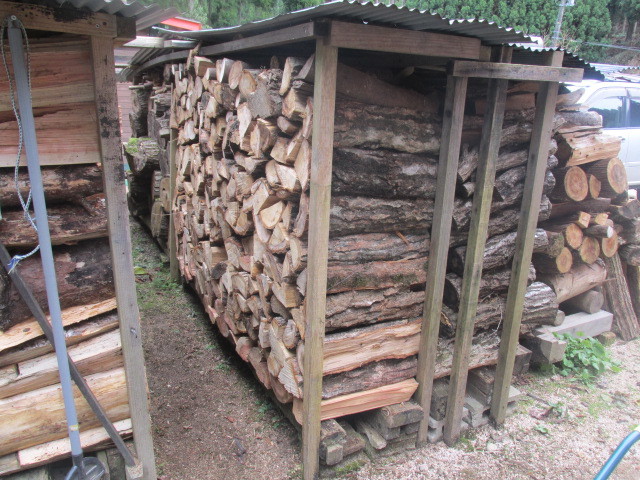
(534, 182)
(481, 209)
(324, 96)
(174, 266)
(122, 262)
(440, 234)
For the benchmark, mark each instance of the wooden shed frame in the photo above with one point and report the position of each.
(104, 31)
(469, 59)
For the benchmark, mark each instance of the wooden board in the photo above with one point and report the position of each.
(362, 401)
(60, 74)
(584, 324)
(516, 72)
(395, 40)
(66, 134)
(66, 20)
(30, 330)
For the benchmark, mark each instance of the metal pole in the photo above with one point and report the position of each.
(555, 39)
(44, 238)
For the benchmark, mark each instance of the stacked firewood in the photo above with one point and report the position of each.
(33, 429)
(592, 212)
(241, 215)
(147, 157)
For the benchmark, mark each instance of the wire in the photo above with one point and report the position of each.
(24, 203)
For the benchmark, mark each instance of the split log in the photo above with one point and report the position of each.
(38, 416)
(292, 66)
(83, 273)
(579, 279)
(612, 175)
(588, 302)
(625, 321)
(265, 101)
(68, 224)
(595, 186)
(580, 149)
(96, 355)
(63, 184)
(388, 174)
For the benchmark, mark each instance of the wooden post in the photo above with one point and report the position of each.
(324, 96)
(534, 182)
(485, 180)
(440, 234)
(174, 267)
(120, 241)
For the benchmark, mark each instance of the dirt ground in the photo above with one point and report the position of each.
(211, 419)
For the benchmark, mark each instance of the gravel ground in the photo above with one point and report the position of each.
(569, 442)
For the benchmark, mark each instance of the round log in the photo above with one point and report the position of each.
(589, 251)
(588, 302)
(609, 246)
(612, 175)
(561, 263)
(571, 184)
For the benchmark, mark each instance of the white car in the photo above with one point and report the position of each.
(619, 105)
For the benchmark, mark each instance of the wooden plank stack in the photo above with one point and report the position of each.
(241, 219)
(33, 429)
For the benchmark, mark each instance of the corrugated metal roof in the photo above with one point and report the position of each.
(381, 14)
(146, 16)
(530, 54)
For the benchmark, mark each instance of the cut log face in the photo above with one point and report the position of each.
(571, 184)
(612, 176)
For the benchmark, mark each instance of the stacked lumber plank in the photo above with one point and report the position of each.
(33, 428)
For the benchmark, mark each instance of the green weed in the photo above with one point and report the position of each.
(585, 358)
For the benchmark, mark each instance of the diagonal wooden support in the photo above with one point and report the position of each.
(485, 180)
(324, 95)
(440, 235)
(534, 182)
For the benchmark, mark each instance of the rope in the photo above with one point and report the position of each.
(24, 203)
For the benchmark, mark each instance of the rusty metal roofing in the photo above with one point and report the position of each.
(146, 16)
(381, 14)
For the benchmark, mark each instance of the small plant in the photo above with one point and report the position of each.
(541, 429)
(223, 367)
(586, 358)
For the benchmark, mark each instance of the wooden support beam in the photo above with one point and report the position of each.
(440, 233)
(120, 241)
(481, 209)
(62, 19)
(531, 73)
(534, 183)
(174, 265)
(395, 40)
(324, 95)
(284, 36)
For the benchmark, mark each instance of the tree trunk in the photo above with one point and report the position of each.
(68, 224)
(83, 273)
(579, 279)
(63, 184)
(625, 321)
(389, 174)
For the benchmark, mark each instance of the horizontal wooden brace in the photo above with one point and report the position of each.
(284, 36)
(509, 71)
(395, 40)
(62, 19)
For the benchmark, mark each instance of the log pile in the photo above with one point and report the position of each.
(33, 430)
(147, 155)
(241, 210)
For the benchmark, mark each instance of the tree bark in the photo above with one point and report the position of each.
(83, 273)
(625, 321)
(63, 184)
(579, 279)
(68, 223)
